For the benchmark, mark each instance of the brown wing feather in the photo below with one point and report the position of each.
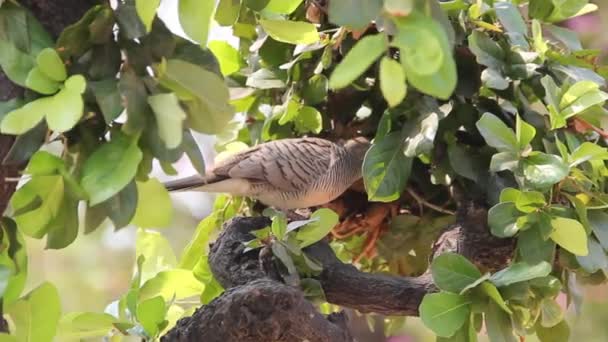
(287, 164)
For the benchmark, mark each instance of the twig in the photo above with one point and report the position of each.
(428, 204)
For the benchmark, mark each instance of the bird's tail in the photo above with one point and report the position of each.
(187, 183)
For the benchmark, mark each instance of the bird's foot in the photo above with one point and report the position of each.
(298, 214)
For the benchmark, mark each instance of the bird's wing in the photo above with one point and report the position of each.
(287, 164)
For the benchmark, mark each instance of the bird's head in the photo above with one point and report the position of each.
(357, 147)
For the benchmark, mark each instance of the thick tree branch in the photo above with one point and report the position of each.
(263, 310)
(343, 284)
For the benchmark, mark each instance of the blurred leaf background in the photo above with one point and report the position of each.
(97, 268)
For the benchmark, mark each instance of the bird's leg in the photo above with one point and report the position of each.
(297, 214)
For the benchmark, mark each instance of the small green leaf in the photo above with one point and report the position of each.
(392, 81)
(596, 259)
(557, 333)
(146, 9)
(519, 272)
(40, 83)
(502, 219)
(444, 313)
(154, 207)
(326, 219)
(199, 243)
(386, 169)
(36, 315)
(533, 248)
(491, 291)
(357, 60)
(51, 65)
(512, 21)
(315, 90)
(497, 134)
(524, 133)
(169, 117)
(227, 12)
(83, 325)
(292, 32)
(309, 119)
(453, 272)
(569, 234)
(21, 120)
(228, 57)
(487, 51)
(550, 313)
(110, 168)
(498, 324)
(542, 170)
(502, 161)
(176, 283)
(355, 14)
(282, 6)
(47, 193)
(65, 110)
(588, 151)
(151, 313)
(195, 18)
(279, 226)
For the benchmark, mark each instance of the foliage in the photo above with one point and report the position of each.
(461, 93)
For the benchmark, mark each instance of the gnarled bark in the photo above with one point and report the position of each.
(343, 284)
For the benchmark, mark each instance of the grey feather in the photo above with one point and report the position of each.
(288, 173)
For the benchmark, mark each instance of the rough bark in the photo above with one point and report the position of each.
(343, 284)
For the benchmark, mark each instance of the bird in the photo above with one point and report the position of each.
(286, 174)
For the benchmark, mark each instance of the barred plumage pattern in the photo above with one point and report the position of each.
(287, 173)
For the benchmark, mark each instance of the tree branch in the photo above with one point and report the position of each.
(343, 284)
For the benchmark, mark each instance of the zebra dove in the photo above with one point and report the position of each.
(285, 174)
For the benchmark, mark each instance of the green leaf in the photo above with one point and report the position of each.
(542, 170)
(326, 219)
(502, 219)
(355, 14)
(392, 81)
(110, 168)
(491, 291)
(199, 244)
(386, 169)
(154, 207)
(557, 333)
(583, 103)
(430, 69)
(279, 226)
(498, 324)
(504, 161)
(519, 272)
(205, 94)
(315, 89)
(569, 234)
(157, 252)
(83, 325)
(129, 23)
(497, 134)
(292, 32)
(228, 57)
(51, 65)
(40, 83)
(47, 194)
(309, 119)
(178, 283)
(551, 313)
(37, 314)
(588, 151)
(453, 272)
(108, 98)
(146, 9)
(512, 21)
(598, 220)
(195, 18)
(151, 314)
(596, 259)
(227, 12)
(282, 6)
(21, 120)
(524, 133)
(487, 51)
(66, 109)
(169, 117)
(121, 207)
(358, 60)
(444, 313)
(533, 248)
